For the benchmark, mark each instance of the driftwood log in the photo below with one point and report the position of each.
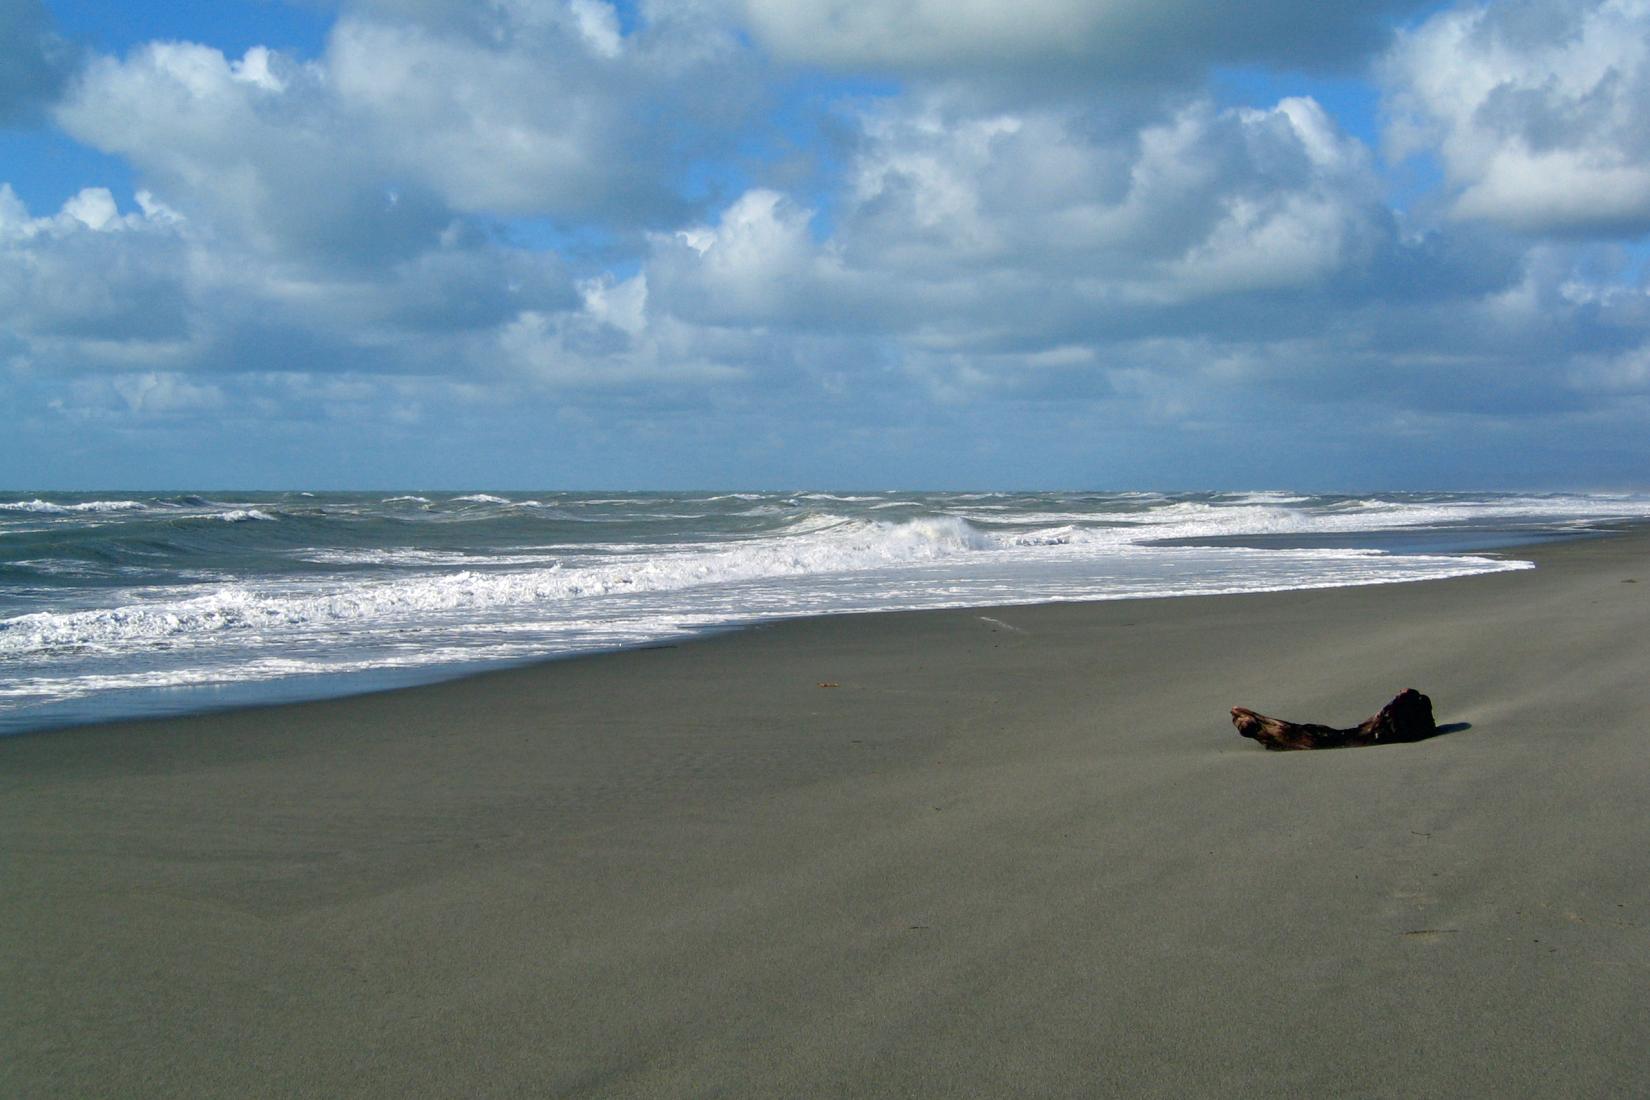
(1407, 718)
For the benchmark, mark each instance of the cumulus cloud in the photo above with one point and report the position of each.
(1536, 110)
(90, 273)
(459, 213)
(417, 114)
(1220, 263)
(757, 265)
(611, 343)
(92, 288)
(256, 149)
(1021, 227)
(544, 109)
(340, 215)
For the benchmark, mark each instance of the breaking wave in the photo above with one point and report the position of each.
(48, 508)
(115, 595)
(843, 546)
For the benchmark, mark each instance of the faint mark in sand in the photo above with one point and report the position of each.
(1430, 933)
(1005, 626)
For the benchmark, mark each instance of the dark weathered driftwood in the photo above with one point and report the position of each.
(1407, 718)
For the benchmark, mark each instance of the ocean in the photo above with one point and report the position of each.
(116, 605)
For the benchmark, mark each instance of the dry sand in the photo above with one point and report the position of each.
(1012, 852)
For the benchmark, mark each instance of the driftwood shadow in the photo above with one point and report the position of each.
(1438, 731)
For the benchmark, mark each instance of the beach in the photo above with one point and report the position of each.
(976, 852)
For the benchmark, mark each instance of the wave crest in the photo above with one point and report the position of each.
(845, 546)
(46, 507)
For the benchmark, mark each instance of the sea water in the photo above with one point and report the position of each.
(129, 604)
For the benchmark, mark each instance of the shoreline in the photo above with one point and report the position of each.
(244, 695)
(1011, 850)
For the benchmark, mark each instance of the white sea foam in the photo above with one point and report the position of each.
(846, 548)
(260, 669)
(412, 556)
(1267, 497)
(973, 513)
(843, 498)
(46, 507)
(1193, 519)
(224, 610)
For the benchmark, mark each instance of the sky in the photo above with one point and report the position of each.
(675, 244)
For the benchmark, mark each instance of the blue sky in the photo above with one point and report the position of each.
(780, 243)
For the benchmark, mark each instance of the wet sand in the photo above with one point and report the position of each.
(1014, 851)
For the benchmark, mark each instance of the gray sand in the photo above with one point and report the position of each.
(1012, 852)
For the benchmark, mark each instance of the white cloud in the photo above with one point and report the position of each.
(957, 228)
(330, 238)
(256, 150)
(598, 25)
(156, 393)
(89, 273)
(94, 207)
(1218, 259)
(90, 208)
(1306, 214)
(1537, 111)
(369, 152)
(255, 68)
(332, 215)
(542, 108)
(489, 129)
(612, 342)
(91, 288)
(621, 305)
(748, 268)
